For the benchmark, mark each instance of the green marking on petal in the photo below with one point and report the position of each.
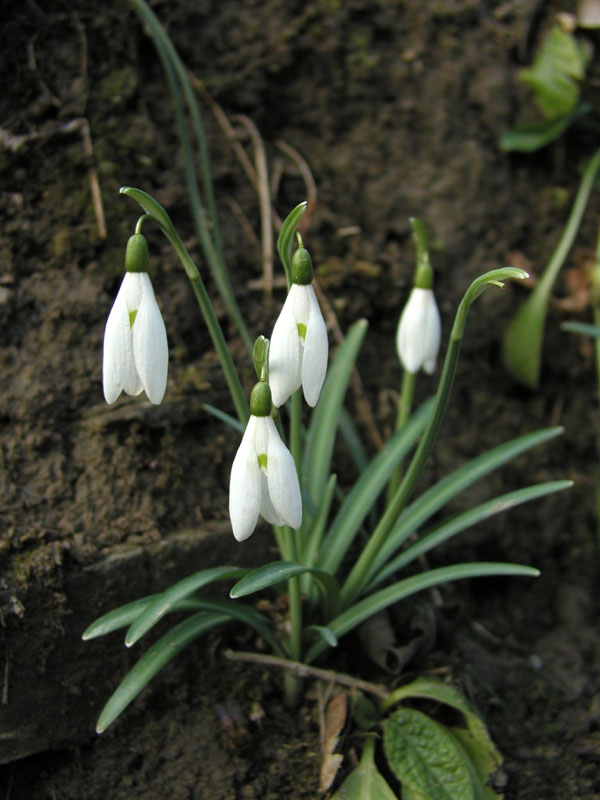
(301, 330)
(132, 316)
(262, 461)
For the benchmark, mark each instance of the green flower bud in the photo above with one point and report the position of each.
(136, 254)
(260, 400)
(302, 268)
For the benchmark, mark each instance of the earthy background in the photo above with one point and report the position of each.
(397, 108)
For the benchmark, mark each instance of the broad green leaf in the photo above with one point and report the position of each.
(154, 660)
(438, 495)
(485, 760)
(321, 433)
(431, 689)
(533, 136)
(425, 756)
(467, 519)
(285, 240)
(370, 605)
(365, 781)
(367, 489)
(279, 571)
(164, 602)
(125, 615)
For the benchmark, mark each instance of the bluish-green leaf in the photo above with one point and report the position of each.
(438, 495)
(368, 606)
(367, 489)
(224, 417)
(582, 328)
(280, 571)
(125, 615)
(467, 519)
(154, 660)
(424, 756)
(164, 602)
(322, 430)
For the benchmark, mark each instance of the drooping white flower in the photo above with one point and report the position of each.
(419, 332)
(136, 353)
(263, 479)
(299, 347)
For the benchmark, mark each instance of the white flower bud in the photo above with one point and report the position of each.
(419, 332)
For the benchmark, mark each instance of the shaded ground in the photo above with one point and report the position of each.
(397, 110)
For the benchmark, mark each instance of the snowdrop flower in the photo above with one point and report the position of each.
(136, 354)
(299, 347)
(263, 475)
(419, 332)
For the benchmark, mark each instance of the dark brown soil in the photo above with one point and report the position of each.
(397, 109)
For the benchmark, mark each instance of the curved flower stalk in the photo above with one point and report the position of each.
(136, 353)
(263, 475)
(419, 332)
(299, 347)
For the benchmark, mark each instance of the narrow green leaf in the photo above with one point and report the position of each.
(285, 240)
(322, 632)
(280, 571)
(125, 615)
(321, 433)
(425, 757)
(224, 417)
(467, 519)
(165, 601)
(368, 606)
(314, 538)
(438, 495)
(367, 489)
(535, 135)
(351, 436)
(365, 781)
(582, 328)
(154, 660)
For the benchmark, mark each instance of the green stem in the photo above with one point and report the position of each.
(367, 564)
(292, 682)
(296, 430)
(404, 408)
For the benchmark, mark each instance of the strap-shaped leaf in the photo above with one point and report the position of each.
(165, 601)
(367, 488)
(322, 632)
(280, 571)
(370, 605)
(285, 240)
(437, 496)
(465, 520)
(125, 615)
(322, 430)
(154, 660)
(224, 417)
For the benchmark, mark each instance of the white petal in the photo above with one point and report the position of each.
(284, 355)
(284, 489)
(244, 486)
(412, 337)
(434, 335)
(118, 349)
(316, 350)
(150, 348)
(267, 511)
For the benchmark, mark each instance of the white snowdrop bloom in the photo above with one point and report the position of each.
(419, 332)
(263, 480)
(299, 347)
(136, 354)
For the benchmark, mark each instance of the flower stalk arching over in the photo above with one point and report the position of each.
(419, 332)
(263, 474)
(136, 353)
(299, 347)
